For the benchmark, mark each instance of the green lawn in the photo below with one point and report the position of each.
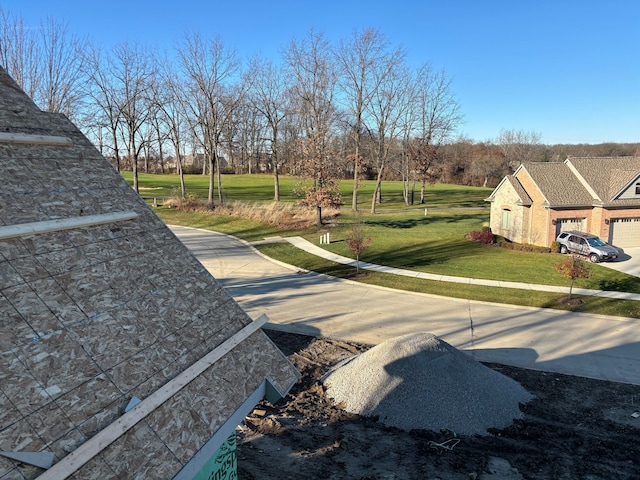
(408, 238)
(260, 188)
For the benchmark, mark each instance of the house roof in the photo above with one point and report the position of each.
(608, 176)
(557, 184)
(524, 198)
(102, 307)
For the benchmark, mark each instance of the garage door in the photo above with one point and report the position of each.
(564, 224)
(625, 232)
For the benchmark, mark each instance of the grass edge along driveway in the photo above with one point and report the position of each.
(529, 298)
(286, 253)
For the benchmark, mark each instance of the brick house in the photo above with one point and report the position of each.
(121, 357)
(596, 195)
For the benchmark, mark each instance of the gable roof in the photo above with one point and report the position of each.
(102, 307)
(557, 184)
(523, 196)
(607, 177)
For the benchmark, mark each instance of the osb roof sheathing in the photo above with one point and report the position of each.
(91, 317)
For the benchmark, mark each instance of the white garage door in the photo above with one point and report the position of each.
(625, 232)
(564, 224)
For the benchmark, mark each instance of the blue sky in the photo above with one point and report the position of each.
(566, 69)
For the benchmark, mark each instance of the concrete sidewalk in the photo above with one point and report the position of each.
(594, 346)
(303, 244)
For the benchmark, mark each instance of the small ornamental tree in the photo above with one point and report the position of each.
(573, 268)
(316, 165)
(357, 242)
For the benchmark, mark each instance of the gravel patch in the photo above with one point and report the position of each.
(420, 381)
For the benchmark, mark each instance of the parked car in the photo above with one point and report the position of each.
(588, 245)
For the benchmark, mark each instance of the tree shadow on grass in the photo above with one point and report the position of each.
(414, 222)
(424, 254)
(631, 285)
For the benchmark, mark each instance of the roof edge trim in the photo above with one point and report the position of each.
(28, 139)
(34, 228)
(96, 444)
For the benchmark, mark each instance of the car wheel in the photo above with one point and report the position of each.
(563, 249)
(594, 258)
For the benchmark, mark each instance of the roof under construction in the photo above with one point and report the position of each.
(121, 356)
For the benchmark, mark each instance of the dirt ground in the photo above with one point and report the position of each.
(575, 428)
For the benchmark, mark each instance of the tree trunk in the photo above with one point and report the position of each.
(180, 170)
(116, 150)
(135, 174)
(356, 168)
(422, 187)
(319, 216)
(211, 182)
(219, 175)
(376, 192)
(276, 182)
(571, 288)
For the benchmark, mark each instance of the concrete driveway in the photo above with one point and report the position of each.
(594, 346)
(628, 262)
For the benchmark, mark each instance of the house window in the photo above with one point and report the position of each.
(638, 188)
(506, 219)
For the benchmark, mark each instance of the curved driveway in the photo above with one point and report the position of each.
(594, 346)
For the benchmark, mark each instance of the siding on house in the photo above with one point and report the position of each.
(508, 198)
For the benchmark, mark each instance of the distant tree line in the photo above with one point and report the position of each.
(323, 111)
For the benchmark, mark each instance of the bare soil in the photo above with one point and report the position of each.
(575, 428)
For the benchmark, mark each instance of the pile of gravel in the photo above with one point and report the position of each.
(420, 381)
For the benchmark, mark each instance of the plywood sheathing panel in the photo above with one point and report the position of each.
(93, 316)
(9, 276)
(124, 456)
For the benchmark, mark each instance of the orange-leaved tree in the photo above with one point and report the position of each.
(573, 268)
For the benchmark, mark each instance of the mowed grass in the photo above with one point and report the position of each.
(260, 188)
(436, 243)
(408, 238)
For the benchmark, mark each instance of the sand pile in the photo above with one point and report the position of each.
(420, 381)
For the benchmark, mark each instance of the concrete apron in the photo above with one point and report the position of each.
(594, 346)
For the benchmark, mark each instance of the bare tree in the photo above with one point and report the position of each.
(20, 52)
(174, 116)
(44, 60)
(209, 68)
(269, 97)
(388, 109)
(314, 74)
(134, 71)
(60, 89)
(436, 116)
(519, 146)
(103, 97)
(364, 61)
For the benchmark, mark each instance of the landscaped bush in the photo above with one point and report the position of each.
(522, 247)
(481, 237)
(555, 247)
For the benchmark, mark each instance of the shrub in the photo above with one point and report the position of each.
(555, 247)
(189, 203)
(521, 247)
(481, 237)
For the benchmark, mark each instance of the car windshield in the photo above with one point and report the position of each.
(596, 242)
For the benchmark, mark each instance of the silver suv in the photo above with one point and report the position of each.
(586, 244)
